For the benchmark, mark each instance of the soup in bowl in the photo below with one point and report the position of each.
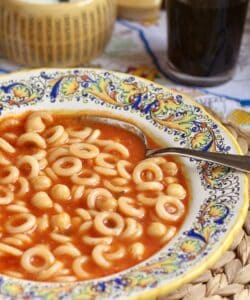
(79, 200)
(84, 214)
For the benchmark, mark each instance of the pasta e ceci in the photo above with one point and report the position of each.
(79, 200)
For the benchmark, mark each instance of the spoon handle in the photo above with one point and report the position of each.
(238, 162)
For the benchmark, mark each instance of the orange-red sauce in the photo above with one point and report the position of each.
(136, 149)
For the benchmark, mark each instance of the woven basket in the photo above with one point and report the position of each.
(63, 34)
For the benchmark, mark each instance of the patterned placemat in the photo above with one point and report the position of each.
(229, 278)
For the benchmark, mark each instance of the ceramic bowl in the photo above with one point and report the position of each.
(45, 33)
(219, 199)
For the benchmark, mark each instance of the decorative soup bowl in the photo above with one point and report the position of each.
(215, 205)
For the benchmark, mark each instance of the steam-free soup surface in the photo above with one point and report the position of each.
(79, 200)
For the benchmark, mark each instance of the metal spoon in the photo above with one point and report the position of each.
(238, 162)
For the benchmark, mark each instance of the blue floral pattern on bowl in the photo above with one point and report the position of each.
(219, 211)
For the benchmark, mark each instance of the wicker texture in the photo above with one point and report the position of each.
(64, 34)
(229, 278)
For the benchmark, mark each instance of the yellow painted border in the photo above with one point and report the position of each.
(225, 243)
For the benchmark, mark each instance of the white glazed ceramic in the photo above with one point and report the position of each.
(219, 195)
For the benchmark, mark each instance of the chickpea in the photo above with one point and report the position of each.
(176, 190)
(170, 179)
(60, 192)
(41, 200)
(170, 168)
(137, 250)
(41, 183)
(106, 204)
(156, 229)
(61, 221)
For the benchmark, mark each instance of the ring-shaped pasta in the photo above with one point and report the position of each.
(84, 151)
(40, 154)
(58, 152)
(53, 134)
(10, 175)
(117, 148)
(94, 135)
(6, 196)
(97, 193)
(35, 121)
(13, 274)
(24, 238)
(9, 123)
(43, 223)
(63, 139)
(51, 174)
(3, 160)
(90, 179)
(99, 258)
(64, 278)
(13, 241)
(60, 238)
(83, 213)
(156, 160)
(75, 166)
(130, 228)
(74, 141)
(122, 167)
(81, 134)
(10, 137)
(17, 208)
(33, 164)
(125, 205)
(169, 208)
(6, 146)
(106, 160)
(133, 229)
(102, 143)
(116, 255)
(85, 226)
(148, 200)
(67, 249)
(102, 221)
(50, 271)
(37, 251)
(78, 267)
(145, 167)
(117, 185)
(32, 138)
(7, 249)
(77, 191)
(170, 232)
(43, 163)
(25, 221)
(105, 171)
(93, 241)
(153, 186)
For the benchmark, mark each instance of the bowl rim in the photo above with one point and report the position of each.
(236, 226)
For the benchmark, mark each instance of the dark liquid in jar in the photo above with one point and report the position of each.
(204, 36)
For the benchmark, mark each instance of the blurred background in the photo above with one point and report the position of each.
(124, 35)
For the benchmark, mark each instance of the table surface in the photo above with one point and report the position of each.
(141, 50)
